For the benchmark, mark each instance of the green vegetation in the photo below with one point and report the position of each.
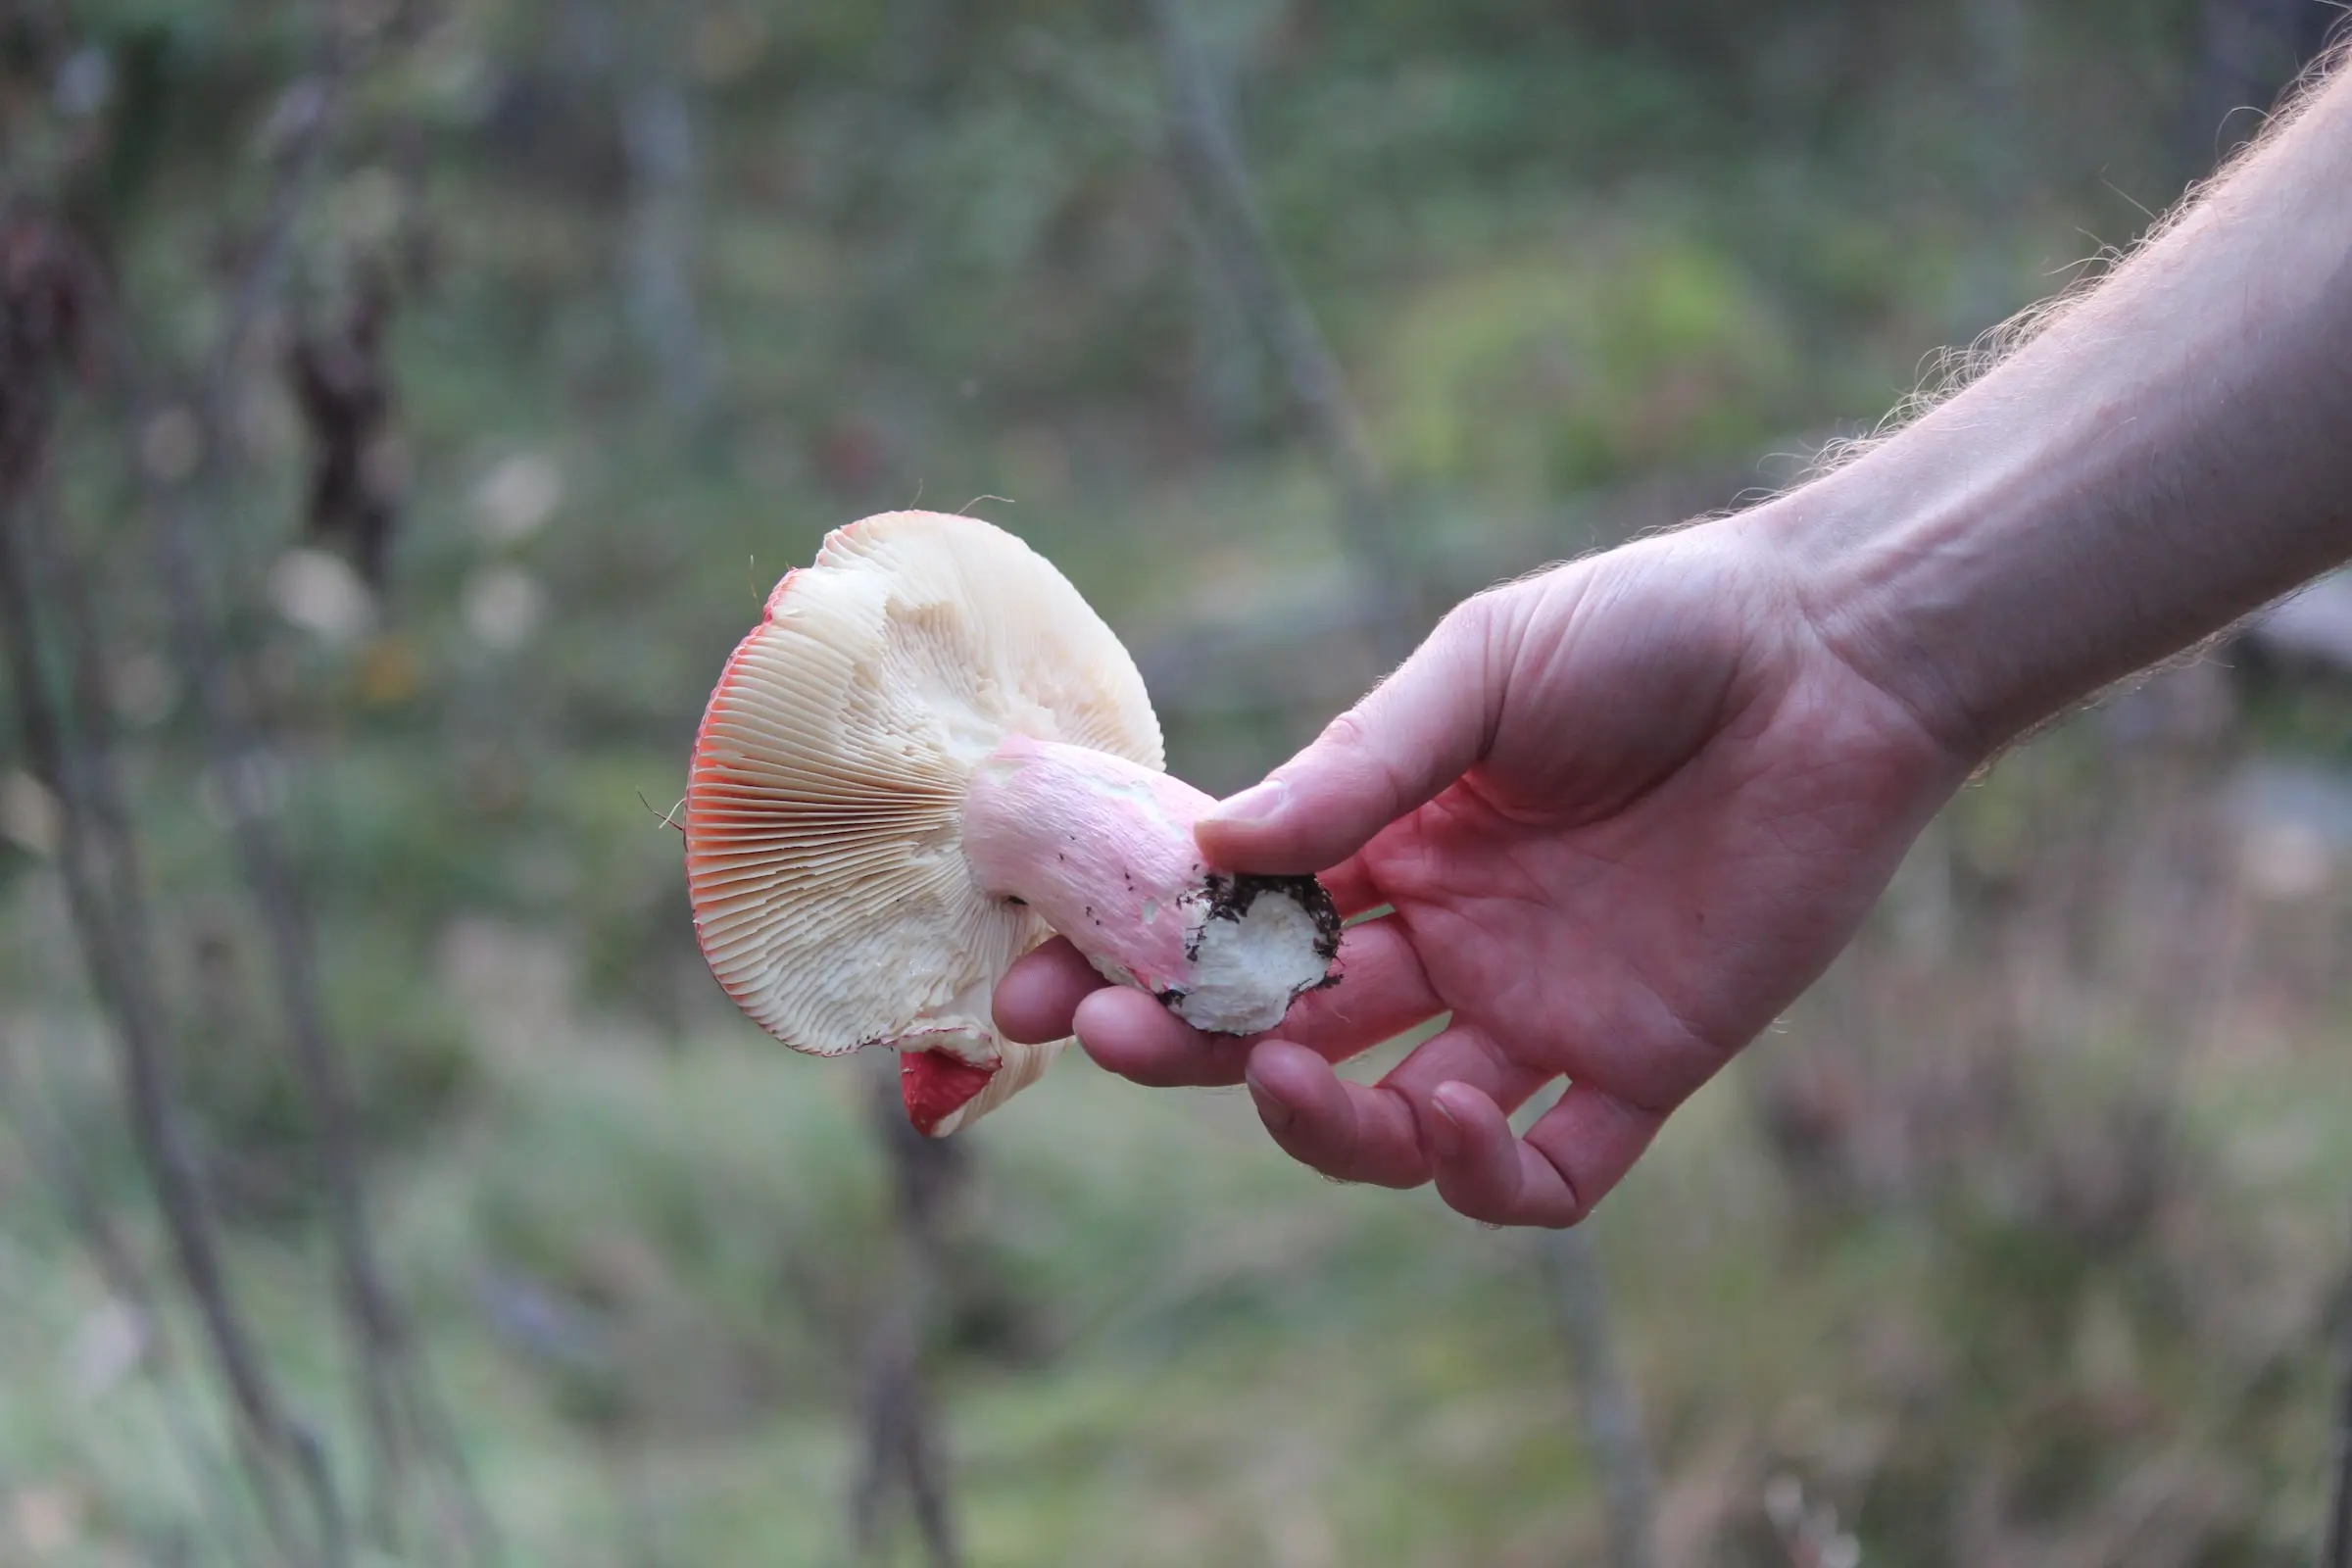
(2021, 1242)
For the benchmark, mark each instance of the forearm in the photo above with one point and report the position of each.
(2172, 451)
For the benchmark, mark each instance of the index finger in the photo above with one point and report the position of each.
(1381, 991)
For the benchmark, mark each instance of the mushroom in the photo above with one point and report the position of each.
(928, 757)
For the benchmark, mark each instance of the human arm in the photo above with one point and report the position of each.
(2165, 452)
(1624, 812)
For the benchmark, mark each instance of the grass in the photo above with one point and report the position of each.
(645, 1267)
(2022, 1240)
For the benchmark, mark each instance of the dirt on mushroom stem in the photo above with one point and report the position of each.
(1103, 851)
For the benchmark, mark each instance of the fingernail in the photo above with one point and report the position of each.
(1257, 803)
(1444, 1131)
(1270, 1111)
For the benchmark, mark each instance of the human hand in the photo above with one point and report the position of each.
(1620, 815)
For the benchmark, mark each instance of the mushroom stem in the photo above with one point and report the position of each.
(1103, 849)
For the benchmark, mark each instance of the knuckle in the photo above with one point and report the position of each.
(1348, 734)
(1355, 743)
(1486, 624)
(1474, 619)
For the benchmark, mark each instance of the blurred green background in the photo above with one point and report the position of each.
(2021, 1241)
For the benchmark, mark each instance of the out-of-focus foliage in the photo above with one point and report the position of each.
(2018, 1246)
(1639, 353)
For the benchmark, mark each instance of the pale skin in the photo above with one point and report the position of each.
(1624, 812)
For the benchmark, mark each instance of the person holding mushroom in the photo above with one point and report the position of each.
(1624, 812)
(1607, 823)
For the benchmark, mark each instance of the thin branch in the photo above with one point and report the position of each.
(658, 140)
(313, 110)
(48, 294)
(106, 895)
(1611, 1416)
(398, 1405)
(61, 1172)
(1208, 160)
(377, 1327)
(399, 1410)
(902, 1446)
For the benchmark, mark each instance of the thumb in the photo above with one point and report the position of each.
(1414, 734)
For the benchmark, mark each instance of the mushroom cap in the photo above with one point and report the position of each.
(825, 809)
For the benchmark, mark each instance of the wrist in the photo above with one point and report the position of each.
(2163, 454)
(1869, 589)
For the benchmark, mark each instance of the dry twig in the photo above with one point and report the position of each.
(47, 293)
(403, 1415)
(902, 1446)
(59, 1169)
(1210, 162)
